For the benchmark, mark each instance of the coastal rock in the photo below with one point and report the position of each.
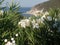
(45, 6)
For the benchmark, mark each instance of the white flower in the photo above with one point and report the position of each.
(5, 40)
(8, 43)
(36, 25)
(29, 18)
(19, 23)
(39, 21)
(55, 19)
(33, 21)
(1, 12)
(24, 23)
(12, 39)
(46, 13)
(13, 42)
(49, 18)
(16, 35)
(43, 17)
(27, 22)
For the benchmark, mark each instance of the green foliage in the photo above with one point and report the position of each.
(47, 33)
(9, 22)
(1, 1)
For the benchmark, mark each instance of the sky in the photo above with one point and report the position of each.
(26, 3)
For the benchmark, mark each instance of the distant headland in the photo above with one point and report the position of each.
(45, 6)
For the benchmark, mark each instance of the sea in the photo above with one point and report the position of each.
(23, 10)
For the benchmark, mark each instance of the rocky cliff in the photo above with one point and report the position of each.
(47, 5)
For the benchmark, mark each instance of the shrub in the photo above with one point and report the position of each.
(14, 30)
(8, 23)
(41, 31)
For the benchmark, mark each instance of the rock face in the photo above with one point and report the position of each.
(47, 5)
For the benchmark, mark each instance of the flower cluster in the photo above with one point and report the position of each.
(46, 16)
(35, 23)
(12, 42)
(28, 22)
(1, 12)
(24, 23)
(32, 28)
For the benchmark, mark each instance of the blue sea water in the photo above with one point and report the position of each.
(24, 10)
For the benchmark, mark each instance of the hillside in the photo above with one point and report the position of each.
(47, 5)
